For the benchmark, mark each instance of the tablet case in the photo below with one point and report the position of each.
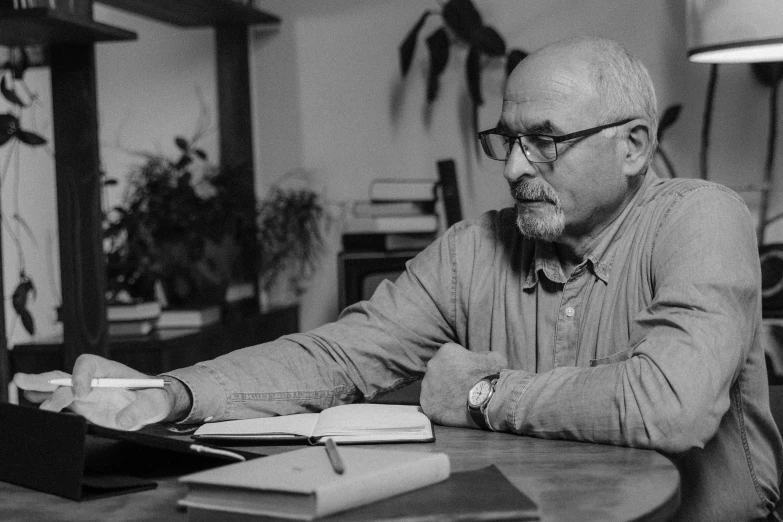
(63, 454)
(49, 452)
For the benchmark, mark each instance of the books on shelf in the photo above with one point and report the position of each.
(303, 485)
(402, 190)
(392, 208)
(189, 317)
(348, 423)
(131, 328)
(240, 292)
(372, 242)
(133, 312)
(392, 224)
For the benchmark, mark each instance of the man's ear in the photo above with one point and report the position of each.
(637, 147)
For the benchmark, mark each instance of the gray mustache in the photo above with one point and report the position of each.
(532, 191)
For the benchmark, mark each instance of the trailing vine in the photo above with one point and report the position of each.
(13, 135)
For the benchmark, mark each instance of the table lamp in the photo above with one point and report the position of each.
(735, 31)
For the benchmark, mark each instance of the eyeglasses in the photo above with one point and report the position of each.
(539, 148)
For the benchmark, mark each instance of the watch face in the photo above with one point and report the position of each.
(479, 393)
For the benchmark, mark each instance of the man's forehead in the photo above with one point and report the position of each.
(555, 101)
(531, 117)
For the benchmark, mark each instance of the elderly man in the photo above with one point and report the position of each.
(608, 306)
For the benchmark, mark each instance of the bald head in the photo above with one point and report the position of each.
(601, 74)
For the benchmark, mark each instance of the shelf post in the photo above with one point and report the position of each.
(78, 180)
(235, 113)
(5, 360)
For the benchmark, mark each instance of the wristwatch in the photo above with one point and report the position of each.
(478, 400)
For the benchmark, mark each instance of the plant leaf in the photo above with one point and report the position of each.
(183, 162)
(19, 298)
(30, 138)
(9, 126)
(182, 144)
(668, 119)
(473, 73)
(27, 322)
(514, 57)
(463, 18)
(9, 93)
(438, 45)
(408, 45)
(21, 293)
(488, 41)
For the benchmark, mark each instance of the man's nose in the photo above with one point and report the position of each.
(517, 165)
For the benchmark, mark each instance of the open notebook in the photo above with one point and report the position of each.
(347, 424)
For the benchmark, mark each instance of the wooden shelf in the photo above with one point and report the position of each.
(166, 350)
(41, 25)
(196, 13)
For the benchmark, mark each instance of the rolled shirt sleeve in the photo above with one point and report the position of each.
(376, 346)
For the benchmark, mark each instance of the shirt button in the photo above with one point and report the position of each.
(570, 312)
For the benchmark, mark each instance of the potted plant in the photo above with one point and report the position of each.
(178, 233)
(291, 224)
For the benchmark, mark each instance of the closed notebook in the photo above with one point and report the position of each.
(348, 423)
(303, 485)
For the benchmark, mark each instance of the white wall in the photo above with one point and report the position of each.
(328, 97)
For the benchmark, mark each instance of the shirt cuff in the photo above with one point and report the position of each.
(501, 408)
(209, 397)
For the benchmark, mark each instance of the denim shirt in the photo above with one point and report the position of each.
(652, 342)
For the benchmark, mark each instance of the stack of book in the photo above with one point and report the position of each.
(399, 215)
(189, 317)
(133, 319)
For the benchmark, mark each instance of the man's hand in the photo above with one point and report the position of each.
(450, 375)
(110, 407)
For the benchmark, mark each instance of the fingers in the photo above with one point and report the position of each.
(152, 406)
(88, 366)
(496, 360)
(58, 400)
(38, 382)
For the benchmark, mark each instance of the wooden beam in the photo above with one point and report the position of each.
(197, 13)
(5, 362)
(77, 172)
(233, 94)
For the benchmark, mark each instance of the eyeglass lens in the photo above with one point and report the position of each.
(539, 149)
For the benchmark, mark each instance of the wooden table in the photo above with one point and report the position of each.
(568, 480)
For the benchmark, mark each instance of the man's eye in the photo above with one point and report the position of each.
(538, 141)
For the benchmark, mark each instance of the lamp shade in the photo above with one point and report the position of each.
(735, 31)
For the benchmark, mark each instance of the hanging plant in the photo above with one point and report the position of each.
(12, 134)
(462, 24)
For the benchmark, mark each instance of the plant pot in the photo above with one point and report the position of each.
(195, 277)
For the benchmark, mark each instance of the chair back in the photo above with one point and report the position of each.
(776, 404)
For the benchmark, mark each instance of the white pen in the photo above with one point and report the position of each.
(115, 383)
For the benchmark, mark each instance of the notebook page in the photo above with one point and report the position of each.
(284, 426)
(384, 421)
